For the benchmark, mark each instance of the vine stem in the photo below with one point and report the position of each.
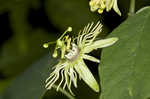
(132, 8)
(64, 92)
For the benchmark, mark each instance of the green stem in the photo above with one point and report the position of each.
(64, 92)
(132, 8)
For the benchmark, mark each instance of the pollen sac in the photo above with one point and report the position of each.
(59, 43)
(45, 45)
(55, 53)
(69, 29)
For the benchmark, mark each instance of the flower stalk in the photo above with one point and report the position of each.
(132, 8)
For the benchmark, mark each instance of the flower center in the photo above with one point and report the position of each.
(73, 53)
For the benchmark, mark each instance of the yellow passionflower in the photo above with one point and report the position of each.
(101, 5)
(73, 51)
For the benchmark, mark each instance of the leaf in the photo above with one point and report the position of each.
(30, 84)
(125, 68)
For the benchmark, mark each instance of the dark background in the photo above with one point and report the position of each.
(26, 24)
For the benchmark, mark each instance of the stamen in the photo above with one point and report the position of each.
(68, 40)
(45, 45)
(55, 52)
(68, 30)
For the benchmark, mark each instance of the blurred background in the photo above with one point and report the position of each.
(26, 24)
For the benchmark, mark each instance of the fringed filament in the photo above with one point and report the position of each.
(88, 35)
(68, 75)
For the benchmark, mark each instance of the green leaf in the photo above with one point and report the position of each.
(30, 84)
(125, 67)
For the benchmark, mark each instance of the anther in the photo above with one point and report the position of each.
(45, 45)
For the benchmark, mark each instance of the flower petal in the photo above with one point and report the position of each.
(109, 4)
(91, 58)
(86, 75)
(115, 7)
(100, 44)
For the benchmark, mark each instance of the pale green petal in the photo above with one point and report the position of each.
(115, 7)
(109, 4)
(100, 44)
(86, 75)
(91, 58)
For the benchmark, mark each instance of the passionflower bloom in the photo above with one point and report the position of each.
(101, 5)
(73, 52)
